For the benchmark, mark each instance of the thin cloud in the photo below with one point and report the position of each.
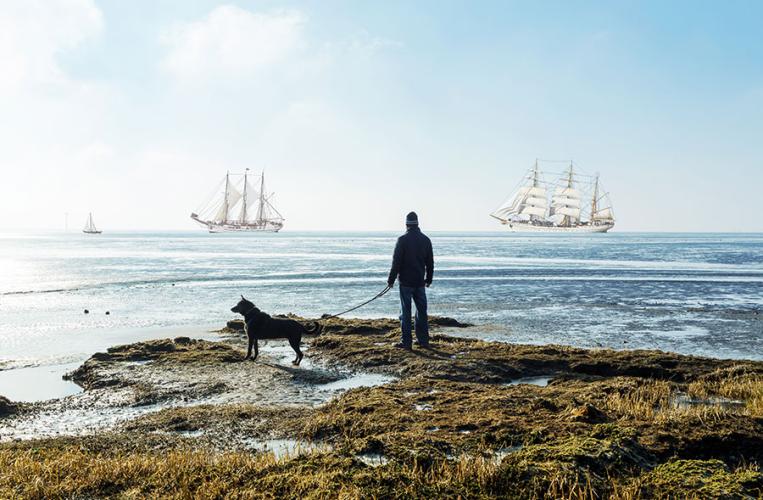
(231, 41)
(34, 33)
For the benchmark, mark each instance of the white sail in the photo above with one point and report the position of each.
(569, 211)
(536, 202)
(567, 192)
(228, 206)
(252, 196)
(513, 204)
(538, 192)
(234, 195)
(530, 210)
(563, 201)
(604, 214)
(90, 226)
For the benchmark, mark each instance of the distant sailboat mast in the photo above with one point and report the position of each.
(90, 226)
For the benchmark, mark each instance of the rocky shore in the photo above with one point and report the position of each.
(183, 417)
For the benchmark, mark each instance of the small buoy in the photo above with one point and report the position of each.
(107, 313)
(173, 284)
(87, 312)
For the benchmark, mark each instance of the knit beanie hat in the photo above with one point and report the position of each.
(412, 219)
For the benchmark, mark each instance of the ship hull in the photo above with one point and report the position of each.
(243, 229)
(262, 227)
(523, 227)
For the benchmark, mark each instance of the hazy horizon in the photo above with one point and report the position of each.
(360, 112)
(286, 230)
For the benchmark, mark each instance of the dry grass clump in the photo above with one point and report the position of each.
(575, 469)
(242, 419)
(644, 401)
(693, 479)
(192, 473)
(703, 400)
(735, 383)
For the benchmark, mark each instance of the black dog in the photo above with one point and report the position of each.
(259, 325)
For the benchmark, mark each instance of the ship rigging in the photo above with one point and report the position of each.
(578, 203)
(236, 205)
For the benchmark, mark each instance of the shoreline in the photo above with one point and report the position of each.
(477, 417)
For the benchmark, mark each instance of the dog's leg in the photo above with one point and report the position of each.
(256, 349)
(249, 349)
(294, 342)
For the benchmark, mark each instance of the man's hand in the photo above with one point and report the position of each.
(391, 284)
(428, 284)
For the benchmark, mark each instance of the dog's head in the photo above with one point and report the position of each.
(244, 307)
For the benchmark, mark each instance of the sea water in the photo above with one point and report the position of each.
(689, 293)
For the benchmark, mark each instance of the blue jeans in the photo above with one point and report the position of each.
(419, 296)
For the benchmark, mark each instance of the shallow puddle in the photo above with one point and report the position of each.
(359, 380)
(541, 381)
(65, 421)
(684, 401)
(373, 459)
(501, 453)
(495, 456)
(284, 448)
(38, 383)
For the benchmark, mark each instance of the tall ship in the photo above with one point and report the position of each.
(90, 226)
(236, 205)
(563, 202)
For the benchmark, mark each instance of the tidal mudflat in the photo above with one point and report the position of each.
(183, 417)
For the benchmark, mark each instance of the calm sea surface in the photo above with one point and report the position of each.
(689, 293)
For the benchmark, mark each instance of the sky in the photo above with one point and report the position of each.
(360, 111)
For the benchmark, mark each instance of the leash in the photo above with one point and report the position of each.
(378, 295)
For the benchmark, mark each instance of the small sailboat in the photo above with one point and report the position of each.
(578, 204)
(90, 226)
(237, 205)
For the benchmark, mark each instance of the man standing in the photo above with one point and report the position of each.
(414, 263)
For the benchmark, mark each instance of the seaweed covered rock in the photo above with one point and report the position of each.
(559, 468)
(700, 478)
(178, 351)
(6, 407)
(234, 326)
(587, 413)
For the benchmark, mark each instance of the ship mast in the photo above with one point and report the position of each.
(567, 219)
(243, 208)
(595, 198)
(535, 184)
(225, 201)
(262, 197)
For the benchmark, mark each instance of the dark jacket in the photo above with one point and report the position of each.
(413, 260)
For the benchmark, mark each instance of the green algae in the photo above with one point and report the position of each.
(700, 479)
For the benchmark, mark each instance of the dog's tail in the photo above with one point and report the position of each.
(315, 329)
